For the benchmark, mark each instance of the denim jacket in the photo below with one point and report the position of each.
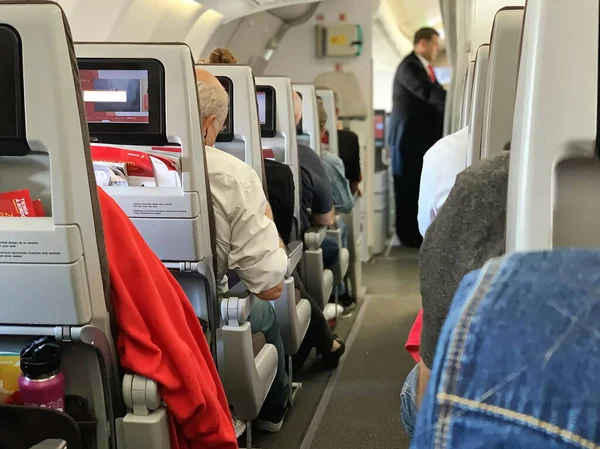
(518, 362)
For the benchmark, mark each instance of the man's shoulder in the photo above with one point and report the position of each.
(490, 171)
(220, 163)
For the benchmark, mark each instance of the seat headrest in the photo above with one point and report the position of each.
(310, 114)
(478, 104)
(507, 32)
(554, 173)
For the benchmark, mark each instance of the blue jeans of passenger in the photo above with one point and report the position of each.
(331, 252)
(408, 402)
(517, 364)
(262, 319)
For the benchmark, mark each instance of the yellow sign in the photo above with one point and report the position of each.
(339, 39)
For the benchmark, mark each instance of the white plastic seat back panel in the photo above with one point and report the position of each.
(310, 116)
(501, 81)
(59, 260)
(329, 104)
(478, 102)
(181, 212)
(467, 104)
(246, 127)
(286, 138)
(554, 176)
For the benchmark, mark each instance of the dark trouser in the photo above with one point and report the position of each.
(262, 319)
(406, 189)
(331, 252)
(318, 335)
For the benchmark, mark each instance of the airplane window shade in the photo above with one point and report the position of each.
(124, 100)
(12, 108)
(266, 99)
(227, 132)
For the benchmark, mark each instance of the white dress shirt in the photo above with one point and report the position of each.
(441, 164)
(424, 61)
(247, 241)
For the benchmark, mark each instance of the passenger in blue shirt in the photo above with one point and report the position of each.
(342, 196)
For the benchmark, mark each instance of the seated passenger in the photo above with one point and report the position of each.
(518, 359)
(349, 151)
(151, 310)
(342, 197)
(469, 230)
(221, 56)
(441, 164)
(247, 239)
(317, 200)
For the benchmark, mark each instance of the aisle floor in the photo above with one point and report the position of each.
(361, 406)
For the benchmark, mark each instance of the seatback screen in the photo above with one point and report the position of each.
(124, 100)
(261, 99)
(266, 99)
(115, 96)
(227, 133)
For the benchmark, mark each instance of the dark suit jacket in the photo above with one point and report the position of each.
(417, 114)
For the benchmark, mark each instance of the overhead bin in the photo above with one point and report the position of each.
(554, 176)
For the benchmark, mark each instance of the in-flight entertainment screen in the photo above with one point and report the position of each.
(261, 98)
(115, 96)
(379, 127)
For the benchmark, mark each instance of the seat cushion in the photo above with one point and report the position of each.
(258, 342)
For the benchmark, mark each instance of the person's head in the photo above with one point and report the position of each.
(427, 43)
(322, 116)
(222, 56)
(214, 105)
(297, 107)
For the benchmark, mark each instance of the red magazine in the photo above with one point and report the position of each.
(140, 171)
(16, 204)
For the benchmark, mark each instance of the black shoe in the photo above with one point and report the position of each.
(346, 301)
(271, 422)
(331, 360)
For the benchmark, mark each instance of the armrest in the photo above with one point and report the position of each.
(314, 236)
(294, 255)
(236, 307)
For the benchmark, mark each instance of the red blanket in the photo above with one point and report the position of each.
(160, 337)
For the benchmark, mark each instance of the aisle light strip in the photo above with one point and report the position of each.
(105, 96)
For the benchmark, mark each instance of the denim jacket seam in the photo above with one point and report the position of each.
(457, 342)
(456, 402)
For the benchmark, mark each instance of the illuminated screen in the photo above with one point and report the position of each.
(379, 127)
(115, 96)
(261, 98)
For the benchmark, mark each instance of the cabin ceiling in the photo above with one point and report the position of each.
(410, 15)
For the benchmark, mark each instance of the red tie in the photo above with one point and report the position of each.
(431, 73)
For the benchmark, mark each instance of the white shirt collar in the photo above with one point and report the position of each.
(423, 61)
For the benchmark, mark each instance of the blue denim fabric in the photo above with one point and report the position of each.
(518, 362)
(340, 187)
(408, 402)
(331, 252)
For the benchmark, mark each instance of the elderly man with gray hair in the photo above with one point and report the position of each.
(247, 239)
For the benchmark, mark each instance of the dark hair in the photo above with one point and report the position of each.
(426, 33)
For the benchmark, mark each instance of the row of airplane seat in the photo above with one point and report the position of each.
(121, 267)
(519, 216)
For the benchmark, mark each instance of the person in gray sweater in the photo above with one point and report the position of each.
(469, 230)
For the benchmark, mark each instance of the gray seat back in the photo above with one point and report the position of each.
(179, 228)
(54, 271)
(311, 135)
(501, 80)
(554, 176)
(478, 103)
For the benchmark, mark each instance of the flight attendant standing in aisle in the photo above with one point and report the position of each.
(416, 124)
